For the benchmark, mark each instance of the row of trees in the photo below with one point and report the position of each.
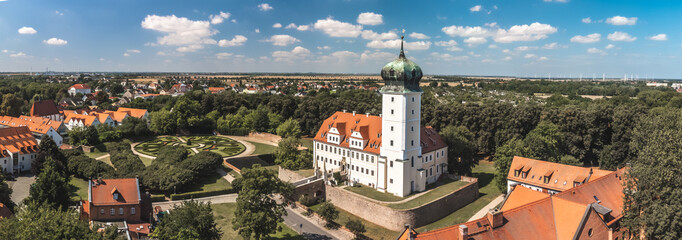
(131, 127)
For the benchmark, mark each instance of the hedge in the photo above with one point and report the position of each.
(158, 198)
(235, 131)
(200, 194)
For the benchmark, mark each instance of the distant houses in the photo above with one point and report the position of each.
(47, 109)
(79, 88)
(39, 127)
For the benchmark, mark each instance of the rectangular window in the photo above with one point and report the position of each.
(390, 180)
(412, 142)
(391, 163)
(412, 128)
(132, 211)
(391, 142)
(120, 211)
(391, 128)
(412, 99)
(372, 159)
(412, 161)
(412, 111)
(392, 99)
(101, 211)
(112, 211)
(391, 111)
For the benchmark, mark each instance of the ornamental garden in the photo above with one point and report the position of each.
(223, 146)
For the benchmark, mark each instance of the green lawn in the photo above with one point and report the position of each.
(78, 189)
(487, 192)
(431, 195)
(212, 182)
(262, 148)
(306, 172)
(374, 194)
(106, 160)
(146, 161)
(307, 142)
(95, 154)
(224, 213)
(373, 231)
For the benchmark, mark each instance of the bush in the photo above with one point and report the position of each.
(171, 155)
(202, 163)
(356, 227)
(307, 201)
(87, 168)
(158, 198)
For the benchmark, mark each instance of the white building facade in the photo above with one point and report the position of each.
(391, 152)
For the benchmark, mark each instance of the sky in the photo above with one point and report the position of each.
(523, 38)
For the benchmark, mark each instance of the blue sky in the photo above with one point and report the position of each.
(468, 37)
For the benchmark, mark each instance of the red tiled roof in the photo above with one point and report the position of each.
(80, 86)
(521, 196)
(133, 112)
(44, 108)
(561, 177)
(17, 140)
(37, 127)
(102, 192)
(369, 127)
(88, 120)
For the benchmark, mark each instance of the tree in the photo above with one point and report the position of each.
(545, 142)
(288, 156)
(35, 221)
(356, 227)
(203, 163)
(50, 187)
(290, 128)
(163, 122)
(11, 105)
(570, 160)
(653, 184)
(257, 213)
(257, 120)
(84, 136)
(5, 193)
(460, 149)
(503, 159)
(329, 213)
(48, 148)
(172, 155)
(190, 220)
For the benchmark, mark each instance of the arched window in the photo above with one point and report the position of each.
(392, 73)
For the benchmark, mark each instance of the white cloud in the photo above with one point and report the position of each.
(530, 55)
(492, 46)
(223, 55)
(371, 35)
(18, 55)
(659, 37)
(277, 25)
(525, 48)
(621, 37)
(451, 45)
(487, 60)
(507, 58)
(376, 56)
(464, 31)
(126, 54)
(592, 38)
(553, 45)
(475, 8)
(257, 30)
(370, 18)
(298, 53)
(610, 46)
(395, 44)
(299, 28)
(595, 51)
(534, 31)
(238, 40)
(5, 51)
(344, 55)
(543, 59)
(264, 7)
(188, 34)
(472, 41)
(27, 30)
(492, 24)
(587, 20)
(335, 28)
(55, 41)
(323, 47)
(133, 51)
(59, 13)
(419, 35)
(282, 40)
(219, 18)
(448, 58)
(620, 20)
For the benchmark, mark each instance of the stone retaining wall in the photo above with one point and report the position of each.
(395, 219)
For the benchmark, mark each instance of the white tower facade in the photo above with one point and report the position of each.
(401, 152)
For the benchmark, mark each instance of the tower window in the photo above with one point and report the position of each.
(412, 99)
(391, 142)
(391, 128)
(412, 161)
(412, 128)
(391, 164)
(412, 142)
(412, 111)
(391, 111)
(392, 99)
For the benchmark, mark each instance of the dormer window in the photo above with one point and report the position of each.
(546, 179)
(524, 174)
(116, 196)
(516, 173)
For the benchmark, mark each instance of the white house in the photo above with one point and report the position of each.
(79, 88)
(39, 127)
(17, 149)
(74, 120)
(391, 152)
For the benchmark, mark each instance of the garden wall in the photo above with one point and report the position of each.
(314, 189)
(395, 219)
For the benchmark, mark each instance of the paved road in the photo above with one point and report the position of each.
(481, 213)
(309, 230)
(20, 187)
(227, 198)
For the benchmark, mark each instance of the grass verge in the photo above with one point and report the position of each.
(431, 195)
(373, 231)
(262, 148)
(78, 189)
(224, 213)
(374, 194)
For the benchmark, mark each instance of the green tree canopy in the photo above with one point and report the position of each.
(163, 122)
(257, 212)
(290, 128)
(328, 212)
(50, 188)
(460, 149)
(356, 227)
(190, 220)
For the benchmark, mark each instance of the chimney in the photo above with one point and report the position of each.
(463, 232)
(380, 115)
(367, 114)
(495, 218)
(344, 110)
(353, 113)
